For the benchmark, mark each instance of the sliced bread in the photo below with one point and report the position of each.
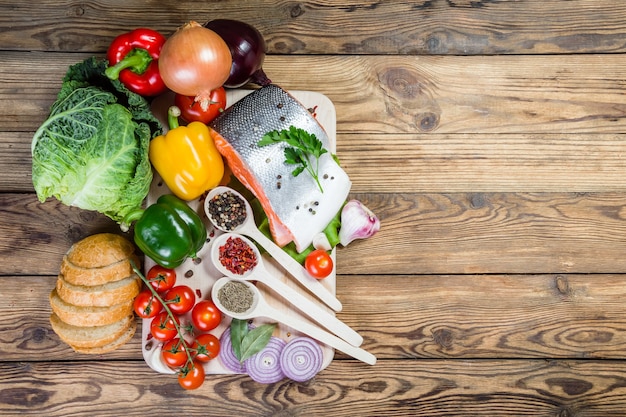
(103, 295)
(90, 336)
(109, 347)
(88, 316)
(100, 250)
(79, 275)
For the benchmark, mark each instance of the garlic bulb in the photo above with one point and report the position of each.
(357, 222)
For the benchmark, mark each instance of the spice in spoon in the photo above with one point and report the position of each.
(237, 256)
(235, 297)
(227, 210)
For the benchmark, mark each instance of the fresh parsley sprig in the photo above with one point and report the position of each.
(304, 149)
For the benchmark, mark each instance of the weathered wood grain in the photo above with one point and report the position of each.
(459, 27)
(409, 317)
(427, 233)
(392, 388)
(491, 233)
(488, 136)
(405, 163)
(398, 94)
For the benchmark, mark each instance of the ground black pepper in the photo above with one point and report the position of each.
(227, 210)
(235, 296)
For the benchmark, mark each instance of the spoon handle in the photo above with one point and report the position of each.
(319, 334)
(294, 268)
(311, 309)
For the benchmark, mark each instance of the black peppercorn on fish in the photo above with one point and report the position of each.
(296, 207)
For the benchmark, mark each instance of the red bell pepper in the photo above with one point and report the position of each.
(133, 58)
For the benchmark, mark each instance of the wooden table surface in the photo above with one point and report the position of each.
(488, 136)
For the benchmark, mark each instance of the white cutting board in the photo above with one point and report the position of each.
(201, 276)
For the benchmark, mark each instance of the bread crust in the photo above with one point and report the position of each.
(116, 344)
(91, 336)
(102, 295)
(78, 275)
(100, 250)
(88, 316)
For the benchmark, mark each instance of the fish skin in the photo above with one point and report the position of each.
(296, 208)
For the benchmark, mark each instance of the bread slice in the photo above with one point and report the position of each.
(103, 295)
(109, 347)
(91, 336)
(78, 275)
(88, 316)
(100, 250)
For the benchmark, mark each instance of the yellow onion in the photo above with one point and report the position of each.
(194, 61)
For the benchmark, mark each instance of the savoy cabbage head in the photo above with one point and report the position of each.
(92, 151)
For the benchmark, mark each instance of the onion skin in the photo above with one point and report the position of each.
(194, 61)
(227, 357)
(247, 47)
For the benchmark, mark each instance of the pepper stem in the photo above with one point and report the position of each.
(131, 217)
(173, 113)
(137, 60)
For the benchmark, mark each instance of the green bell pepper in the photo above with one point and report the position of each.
(168, 231)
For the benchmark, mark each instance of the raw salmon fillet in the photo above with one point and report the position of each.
(297, 210)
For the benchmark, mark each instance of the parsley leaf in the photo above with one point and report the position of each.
(304, 150)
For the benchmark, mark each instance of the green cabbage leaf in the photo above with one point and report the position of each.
(92, 151)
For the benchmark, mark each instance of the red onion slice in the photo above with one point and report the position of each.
(301, 359)
(227, 356)
(264, 367)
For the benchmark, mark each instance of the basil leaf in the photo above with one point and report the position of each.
(256, 340)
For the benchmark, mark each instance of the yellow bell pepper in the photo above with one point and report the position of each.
(186, 158)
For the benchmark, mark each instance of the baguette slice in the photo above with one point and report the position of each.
(100, 250)
(88, 316)
(79, 275)
(109, 347)
(103, 295)
(91, 336)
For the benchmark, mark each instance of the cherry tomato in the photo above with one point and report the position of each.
(190, 110)
(206, 347)
(146, 305)
(162, 327)
(174, 353)
(191, 377)
(319, 263)
(180, 299)
(161, 279)
(205, 316)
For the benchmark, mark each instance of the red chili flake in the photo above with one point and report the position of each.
(237, 256)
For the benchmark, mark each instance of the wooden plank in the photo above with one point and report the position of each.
(36, 236)
(409, 317)
(449, 163)
(398, 94)
(427, 233)
(491, 233)
(405, 387)
(404, 163)
(457, 27)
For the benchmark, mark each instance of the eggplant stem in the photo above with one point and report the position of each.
(260, 78)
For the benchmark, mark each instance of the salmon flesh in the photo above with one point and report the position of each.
(296, 208)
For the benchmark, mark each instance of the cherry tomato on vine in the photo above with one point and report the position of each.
(191, 111)
(174, 353)
(319, 263)
(146, 305)
(191, 377)
(162, 327)
(205, 347)
(205, 316)
(161, 279)
(180, 299)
